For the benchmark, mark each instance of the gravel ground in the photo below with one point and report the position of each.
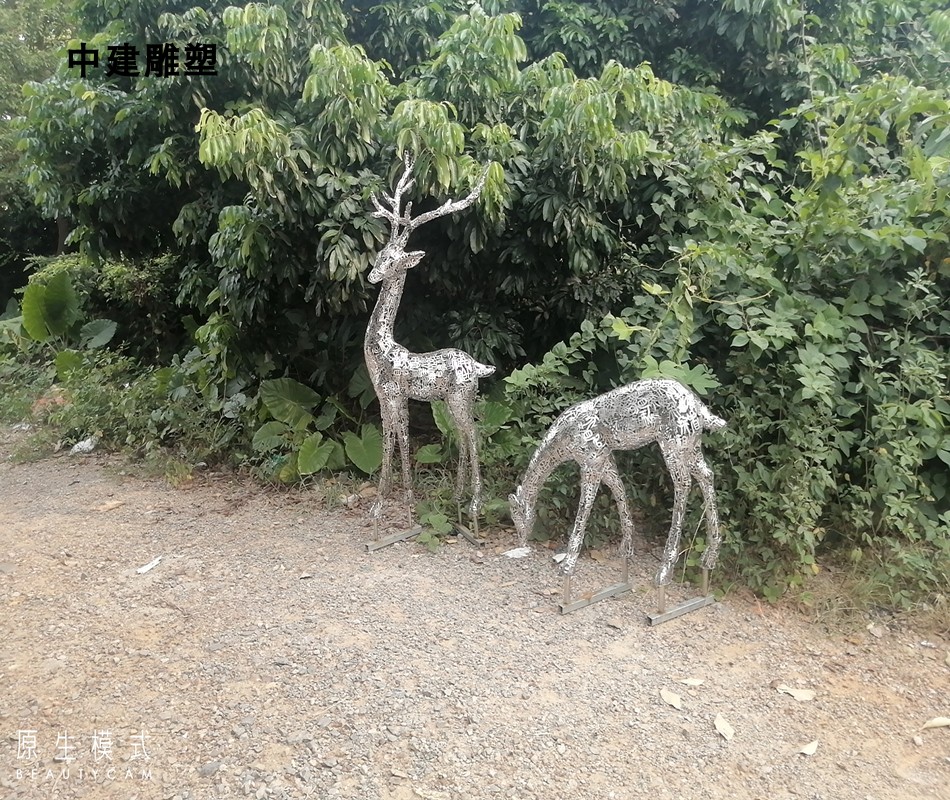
(268, 655)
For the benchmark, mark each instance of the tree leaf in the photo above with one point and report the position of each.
(808, 749)
(34, 312)
(443, 420)
(365, 450)
(672, 698)
(361, 387)
(801, 695)
(269, 436)
(430, 454)
(725, 729)
(66, 362)
(692, 681)
(60, 304)
(937, 722)
(492, 416)
(288, 400)
(97, 333)
(916, 242)
(314, 454)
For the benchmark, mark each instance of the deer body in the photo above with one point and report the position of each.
(626, 418)
(399, 375)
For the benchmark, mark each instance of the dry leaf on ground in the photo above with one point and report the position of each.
(110, 505)
(725, 729)
(808, 749)
(799, 694)
(692, 681)
(937, 722)
(672, 698)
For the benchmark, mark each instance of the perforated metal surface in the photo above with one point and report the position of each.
(626, 418)
(397, 374)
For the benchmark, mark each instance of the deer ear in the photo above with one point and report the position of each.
(413, 257)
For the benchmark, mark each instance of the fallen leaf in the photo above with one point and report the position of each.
(937, 722)
(672, 698)
(615, 623)
(808, 749)
(557, 558)
(518, 552)
(598, 555)
(875, 630)
(110, 505)
(799, 694)
(692, 681)
(305, 575)
(725, 729)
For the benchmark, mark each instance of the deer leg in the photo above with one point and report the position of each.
(679, 472)
(462, 408)
(704, 477)
(615, 484)
(590, 483)
(476, 503)
(386, 471)
(402, 433)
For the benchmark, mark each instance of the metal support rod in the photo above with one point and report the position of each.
(565, 592)
(465, 533)
(679, 610)
(399, 536)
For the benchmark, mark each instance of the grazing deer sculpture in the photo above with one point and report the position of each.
(629, 417)
(399, 375)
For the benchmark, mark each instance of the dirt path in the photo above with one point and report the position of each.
(267, 655)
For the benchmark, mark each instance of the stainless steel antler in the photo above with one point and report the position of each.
(399, 375)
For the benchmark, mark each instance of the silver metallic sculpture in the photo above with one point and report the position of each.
(398, 375)
(629, 417)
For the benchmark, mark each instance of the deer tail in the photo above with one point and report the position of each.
(710, 421)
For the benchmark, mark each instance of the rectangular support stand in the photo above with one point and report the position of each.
(682, 608)
(464, 532)
(399, 536)
(567, 605)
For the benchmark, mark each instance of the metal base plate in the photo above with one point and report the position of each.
(567, 606)
(682, 608)
(464, 532)
(399, 536)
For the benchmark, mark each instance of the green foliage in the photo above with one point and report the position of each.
(50, 310)
(365, 449)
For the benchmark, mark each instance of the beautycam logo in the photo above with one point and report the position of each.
(80, 758)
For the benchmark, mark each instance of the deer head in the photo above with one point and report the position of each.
(393, 258)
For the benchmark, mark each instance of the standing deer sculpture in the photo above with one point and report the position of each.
(626, 418)
(398, 375)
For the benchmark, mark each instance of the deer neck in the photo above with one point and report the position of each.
(379, 332)
(544, 461)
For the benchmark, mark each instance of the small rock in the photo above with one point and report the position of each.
(328, 763)
(209, 769)
(918, 740)
(877, 631)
